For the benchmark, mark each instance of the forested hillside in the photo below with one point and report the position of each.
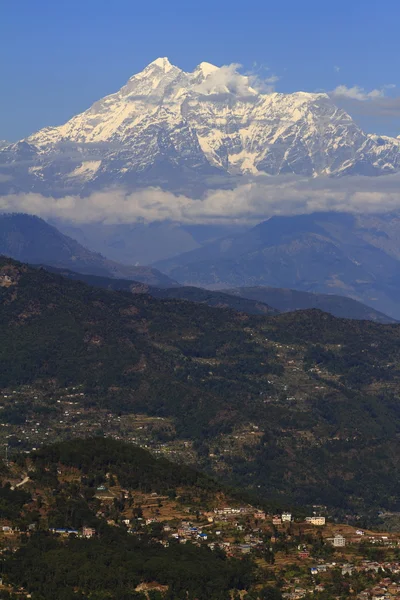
(302, 405)
(78, 529)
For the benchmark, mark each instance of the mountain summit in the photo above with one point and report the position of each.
(172, 128)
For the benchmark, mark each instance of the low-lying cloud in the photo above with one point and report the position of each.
(249, 203)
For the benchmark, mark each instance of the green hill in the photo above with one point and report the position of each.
(302, 405)
(192, 294)
(134, 467)
(124, 552)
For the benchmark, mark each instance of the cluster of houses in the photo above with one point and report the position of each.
(286, 517)
(85, 532)
(366, 566)
(386, 590)
(242, 510)
(187, 531)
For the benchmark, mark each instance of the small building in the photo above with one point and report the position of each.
(65, 532)
(7, 529)
(88, 532)
(260, 515)
(304, 554)
(277, 520)
(286, 517)
(347, 569)
(316, 520)
(339, 541)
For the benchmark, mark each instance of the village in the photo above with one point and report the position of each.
(305, 556)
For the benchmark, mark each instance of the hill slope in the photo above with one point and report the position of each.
(31, 239)
(82, 501)
(254, 301)
(329, 253)
(302, 404)
(192, 294)
(286, 300)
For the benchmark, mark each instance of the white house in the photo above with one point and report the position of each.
(339, 540)
(316, 520)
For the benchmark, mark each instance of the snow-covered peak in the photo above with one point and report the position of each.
(205, 68)
(162, 63)
(209, 120)
(155, 71)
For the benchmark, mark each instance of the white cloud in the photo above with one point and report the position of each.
(375, 103)
(227, 79)
(264, 85)
(357, 93)
(248, 203)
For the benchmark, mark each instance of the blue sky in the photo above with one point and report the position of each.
(57, 58)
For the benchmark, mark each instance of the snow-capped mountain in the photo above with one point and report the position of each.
(179, 130)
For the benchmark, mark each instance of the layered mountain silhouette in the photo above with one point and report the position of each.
(329, 253)
(269, 253)
(31, 239)
(253, 301)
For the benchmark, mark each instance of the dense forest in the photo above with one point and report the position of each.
(113, 566)
(192, 294)
(134, 467)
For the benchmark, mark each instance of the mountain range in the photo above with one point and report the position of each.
(189, 131)
(329, 253)
(31, 239)
(253, 301)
